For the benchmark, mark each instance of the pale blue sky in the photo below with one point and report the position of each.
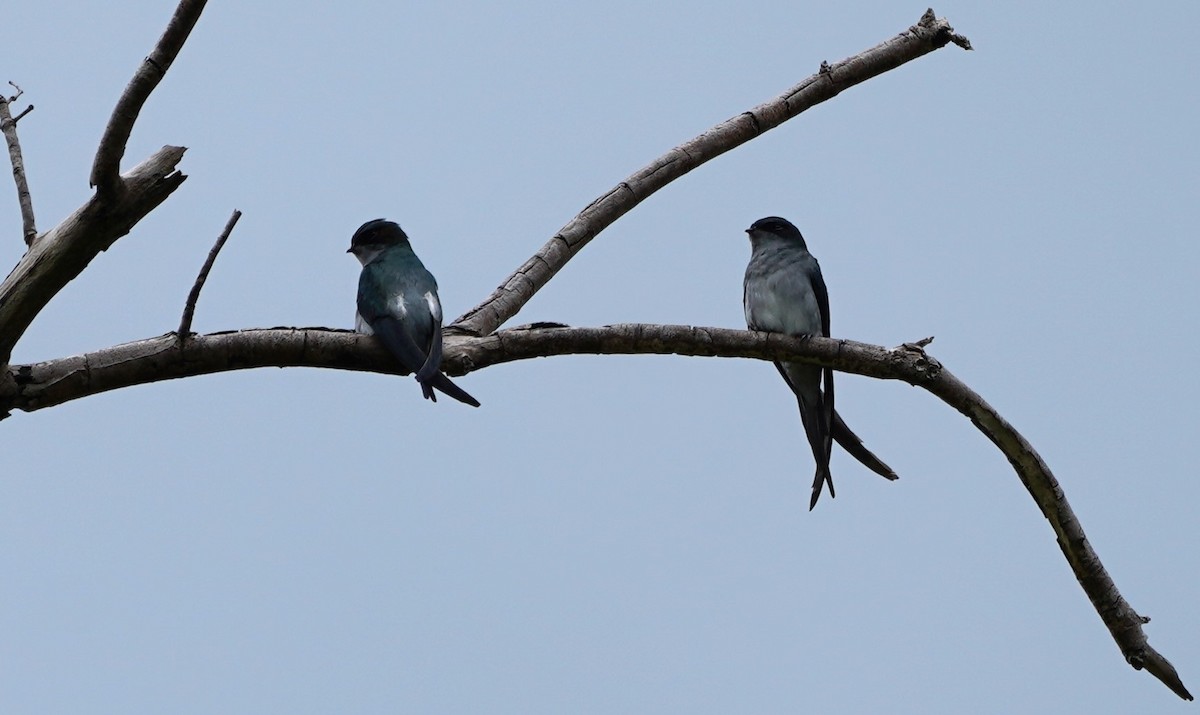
(612, 534)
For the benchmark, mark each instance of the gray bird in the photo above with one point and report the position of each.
(784, 293)
(398, 303)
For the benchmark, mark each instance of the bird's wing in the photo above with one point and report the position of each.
(746, 304)
(822, 295)
(433, 359)
(386, 322)
(396, 339)
(817, 281)
(429, 375)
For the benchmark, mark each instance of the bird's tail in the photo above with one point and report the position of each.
(822, 478)
(441, 382)
(818, 432)
(852, 444)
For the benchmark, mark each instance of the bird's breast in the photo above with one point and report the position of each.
(773, 315)
(781, 304)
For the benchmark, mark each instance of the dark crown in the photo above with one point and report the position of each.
(378, 232)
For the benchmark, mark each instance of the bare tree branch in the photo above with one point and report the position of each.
(189, 307)
(1122, 621)
(46, 384)
(65, 250)
(50, 383)
(930, 34)
(119, 203)
(106, 168)
(8, 125)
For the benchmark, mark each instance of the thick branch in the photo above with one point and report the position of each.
(54, 382)
(50, 383)
(106, 167)
(8, 125)
(64, 251)
(926, 36)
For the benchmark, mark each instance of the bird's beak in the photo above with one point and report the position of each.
(349, 250)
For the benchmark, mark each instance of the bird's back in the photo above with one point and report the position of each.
(396, 284)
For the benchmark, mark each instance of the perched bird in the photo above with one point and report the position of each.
(398, 303)
(784, 293)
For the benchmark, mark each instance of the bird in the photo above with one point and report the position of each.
(398, 304)
(783, 292)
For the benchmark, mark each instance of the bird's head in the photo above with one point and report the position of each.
(775, 227)
(373, 237)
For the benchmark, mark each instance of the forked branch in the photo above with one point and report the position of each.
(474, 342)
(120, 201)
(61, 254)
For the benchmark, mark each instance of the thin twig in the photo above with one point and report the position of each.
(189, 308)
(929, 34)
(106, 168)
(8, 124)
